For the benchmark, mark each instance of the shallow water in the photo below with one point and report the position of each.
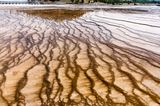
(67, 57)
(55, 14)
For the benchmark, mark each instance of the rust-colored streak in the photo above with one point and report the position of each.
(88, 59)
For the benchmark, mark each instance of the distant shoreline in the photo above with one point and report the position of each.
(91, 6)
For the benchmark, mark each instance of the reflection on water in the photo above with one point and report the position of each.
(56, 14)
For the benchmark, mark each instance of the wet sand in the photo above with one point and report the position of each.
(80, 58)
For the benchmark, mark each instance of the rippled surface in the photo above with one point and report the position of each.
(98, 58)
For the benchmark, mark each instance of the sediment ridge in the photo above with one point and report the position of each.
(97, 59)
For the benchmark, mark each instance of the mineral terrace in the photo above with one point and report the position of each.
(79, 58)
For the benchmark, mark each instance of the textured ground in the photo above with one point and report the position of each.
(99, 59)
